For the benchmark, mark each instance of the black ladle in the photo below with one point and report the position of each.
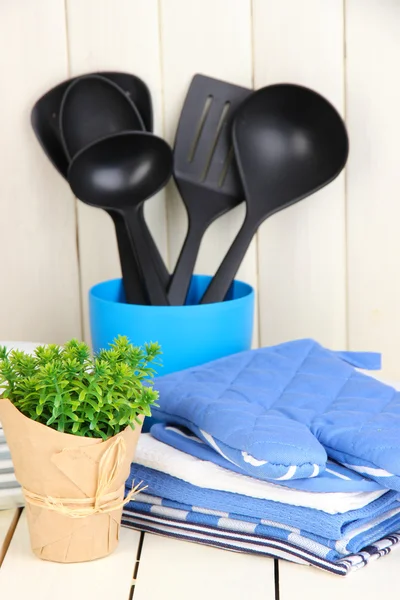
(46, 110)
(139, 94)
(45, 124)
(136, 89)
(91, 108)
(289, 142)
(119, 173)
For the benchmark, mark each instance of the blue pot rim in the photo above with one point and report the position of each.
(227, 304)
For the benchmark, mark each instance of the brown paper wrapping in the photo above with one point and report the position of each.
(58, 467)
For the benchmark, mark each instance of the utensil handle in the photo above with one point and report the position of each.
(155, 290)
(133, 286)
(223, 278)
(183, 271)
(159, 264)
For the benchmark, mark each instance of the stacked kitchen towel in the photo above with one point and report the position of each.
(287, 451)
(10, 490)
(11, 495)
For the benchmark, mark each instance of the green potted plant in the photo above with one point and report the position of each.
(72, 422)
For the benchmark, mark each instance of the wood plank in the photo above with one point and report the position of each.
(301, 251)
(123, 37)
(8, 520)
(377, 580)
(40, 282)
(176, 569)
(25, 576)
(373, 98)
(212, 37)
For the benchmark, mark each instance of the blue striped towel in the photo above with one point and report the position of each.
(11, 494)
(317, 522)
(146, 505)
(255, 544)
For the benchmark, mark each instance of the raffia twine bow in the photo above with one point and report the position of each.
(102, 502)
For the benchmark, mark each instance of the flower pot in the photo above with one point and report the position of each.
(189, 335)
(73, 486)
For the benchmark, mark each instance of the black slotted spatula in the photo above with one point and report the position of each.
(204, 167)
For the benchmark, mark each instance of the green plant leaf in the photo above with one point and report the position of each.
(67, 389)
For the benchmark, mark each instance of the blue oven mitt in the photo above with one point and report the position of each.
(277, 412)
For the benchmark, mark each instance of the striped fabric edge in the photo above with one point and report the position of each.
(251, 543)
(228, 540)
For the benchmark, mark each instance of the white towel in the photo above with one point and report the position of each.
(158, 456)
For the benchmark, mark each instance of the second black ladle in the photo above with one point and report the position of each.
(45, 113)
(119, 173)
(289, 142)
(93, 107)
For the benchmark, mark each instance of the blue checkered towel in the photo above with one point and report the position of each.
(256, 544)
(316, 522)
(153, 506)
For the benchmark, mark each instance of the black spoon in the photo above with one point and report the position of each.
(46, 110)
(119, 173)
(136, 89)
(289, 142)
(45, 124)
(93, 107)
(139, 94)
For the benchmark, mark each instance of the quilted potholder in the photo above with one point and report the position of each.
(276, 412)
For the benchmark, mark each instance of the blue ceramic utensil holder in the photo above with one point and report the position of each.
(189, 335)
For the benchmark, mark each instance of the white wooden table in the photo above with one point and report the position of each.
(149, 567)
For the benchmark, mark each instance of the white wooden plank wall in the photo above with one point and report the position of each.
(39, 267)
(373, 185)
(212, 37)
(327, 268)
(302, 250)
(119, 36)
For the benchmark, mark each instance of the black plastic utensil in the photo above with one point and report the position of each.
(46, 111)
(45, 123)
(138, 92)
(204, 167)
(93, 107)
(289, 142)
(136, 89)
(118, 173)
